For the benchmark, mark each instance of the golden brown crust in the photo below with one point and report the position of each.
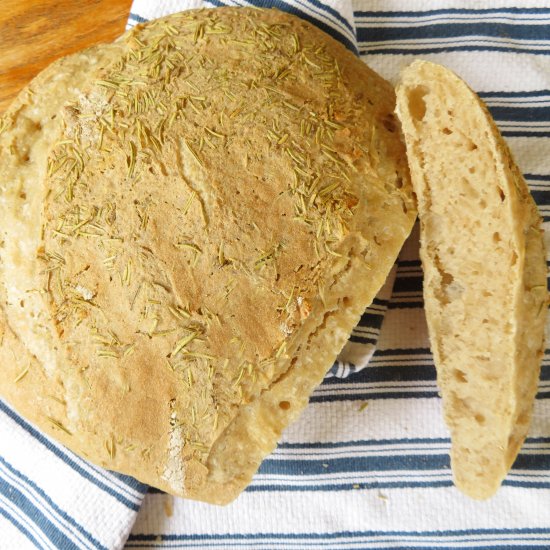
(220, 205)
(484, 272)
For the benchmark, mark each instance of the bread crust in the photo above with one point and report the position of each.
(484, 266)
(214, 208)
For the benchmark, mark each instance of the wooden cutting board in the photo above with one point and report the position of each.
(35, 32)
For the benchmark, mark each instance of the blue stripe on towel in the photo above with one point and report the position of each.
(61, 516)
(127, 498)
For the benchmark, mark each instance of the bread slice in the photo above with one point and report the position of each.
(484, 272)
(192, 225)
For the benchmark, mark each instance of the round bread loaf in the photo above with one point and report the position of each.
(194, 219)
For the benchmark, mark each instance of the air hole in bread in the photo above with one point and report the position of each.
(501, 193)
(23, 195)
(446, 278)
(514, 258)
(472, 169)
(389, 123)
(483, 203)
(446, 288)
(417, 105)
(460, 376)
(34, 125)
(524, 418)
(496, 237)
(346, 302)
(285, 405)
(447, 132)
(479, 418)
(460, 406)
(472, 146)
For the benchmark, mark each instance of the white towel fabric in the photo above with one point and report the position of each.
(367, 464)
(51, 498)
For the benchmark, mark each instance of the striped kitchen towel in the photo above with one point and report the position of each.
(51, 498)
(367, 464)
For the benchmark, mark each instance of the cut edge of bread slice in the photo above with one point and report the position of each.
(484, 266)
